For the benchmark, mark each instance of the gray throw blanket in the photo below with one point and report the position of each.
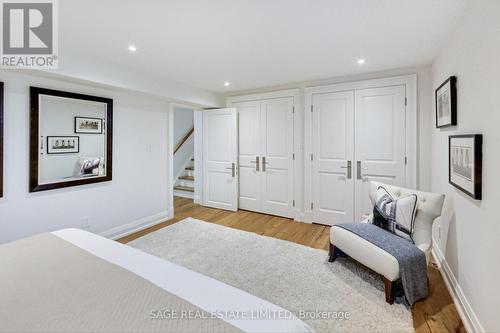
(412, 262)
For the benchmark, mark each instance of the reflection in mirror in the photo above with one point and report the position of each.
(70, 139)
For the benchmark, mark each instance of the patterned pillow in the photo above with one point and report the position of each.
(90, 166)
(396, 216)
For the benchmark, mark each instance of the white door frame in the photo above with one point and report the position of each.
(198, 157)
(410, 83)
(298, 139)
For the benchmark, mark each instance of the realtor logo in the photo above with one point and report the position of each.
(29, 34)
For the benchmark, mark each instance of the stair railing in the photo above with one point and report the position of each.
(183, 140)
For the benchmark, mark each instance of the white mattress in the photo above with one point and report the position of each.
(206, 293)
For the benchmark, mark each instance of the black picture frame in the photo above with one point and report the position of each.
(478, 165)
(62, 152)
(34, 184)
(77, 131)
(1, 139)
(452, 80)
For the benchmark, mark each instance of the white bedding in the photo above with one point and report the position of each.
(206, 293)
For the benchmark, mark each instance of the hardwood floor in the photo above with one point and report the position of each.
(437, 313)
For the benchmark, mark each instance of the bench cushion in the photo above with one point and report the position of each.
(365, 252)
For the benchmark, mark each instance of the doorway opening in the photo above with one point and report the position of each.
(184, 166)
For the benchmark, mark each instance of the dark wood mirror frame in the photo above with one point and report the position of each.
(1, 139)
(35, 93)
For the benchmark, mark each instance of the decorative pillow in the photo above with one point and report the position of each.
(396, 216)
(90, 166)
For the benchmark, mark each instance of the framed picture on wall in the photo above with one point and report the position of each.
(466, 163)
(63, 145)
(88, 125)
(446, 103)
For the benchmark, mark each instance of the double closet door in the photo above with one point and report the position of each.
(266, 155)
(357, 136)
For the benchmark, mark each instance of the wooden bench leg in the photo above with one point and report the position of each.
(388, 291)
(332, 255)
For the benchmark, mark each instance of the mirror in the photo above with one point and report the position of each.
(70, 139)
(1, 139)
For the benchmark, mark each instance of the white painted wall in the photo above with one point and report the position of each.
(137, 196)
(96, 71)
(470, 230)
(183, 123)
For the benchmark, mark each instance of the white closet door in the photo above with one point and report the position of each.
(220, 154)
(332, 140)
(380, 141)
(249, 121)
(277, 156)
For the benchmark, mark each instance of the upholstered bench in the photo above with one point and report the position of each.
(429, 206)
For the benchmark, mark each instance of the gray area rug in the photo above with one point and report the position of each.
(290, 275)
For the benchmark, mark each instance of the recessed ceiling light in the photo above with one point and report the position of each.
(361, 61)
(132, 48)
(226, 84)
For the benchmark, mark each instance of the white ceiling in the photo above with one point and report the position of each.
(257, 43)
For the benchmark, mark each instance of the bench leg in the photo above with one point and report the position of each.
(388, 291)
(332, 255)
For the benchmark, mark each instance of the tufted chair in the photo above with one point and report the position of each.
(429, 207)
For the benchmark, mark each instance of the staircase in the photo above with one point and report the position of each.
(184, 186)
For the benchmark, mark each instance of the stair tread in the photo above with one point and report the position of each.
(184, 188)
(187, 177)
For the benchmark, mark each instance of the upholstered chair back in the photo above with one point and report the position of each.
(429, 206)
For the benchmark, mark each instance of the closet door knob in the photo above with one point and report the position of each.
(233, 169)
(256, 163)
(349, 169)
(359, 169)
(264, 163)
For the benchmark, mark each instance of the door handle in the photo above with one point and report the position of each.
(256, 163)
(349, 169)
(264, 163)
(359, 169)
(233, 169)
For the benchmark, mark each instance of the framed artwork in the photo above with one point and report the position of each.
(1, 139)
(88, 125)
(446, 103)
(63, 145)
(466, 163)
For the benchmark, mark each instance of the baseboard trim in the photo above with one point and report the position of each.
(467, 314)
(138, 225)
(197, 199)
(299, 216)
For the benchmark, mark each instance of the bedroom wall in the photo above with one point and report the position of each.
(136, 196)
(80, 68)
(470, 229)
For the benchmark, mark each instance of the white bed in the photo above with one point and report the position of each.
(204, 292)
